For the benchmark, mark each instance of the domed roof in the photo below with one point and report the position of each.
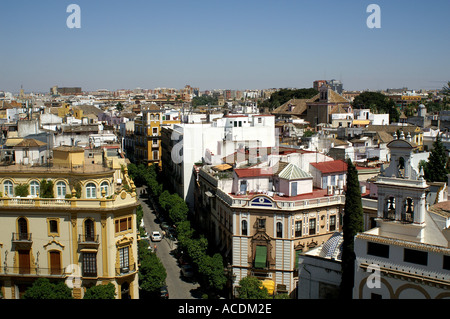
(332, 248)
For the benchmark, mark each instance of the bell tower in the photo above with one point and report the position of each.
(402, 193)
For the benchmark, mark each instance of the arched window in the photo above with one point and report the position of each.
(23, 228)
(34, 188)
(104, 187)
(279, 230)
(61, 189)
(244, 228)
(89, 230)
(8, 188)
(389, 212)
(408, 211)
(91, 191)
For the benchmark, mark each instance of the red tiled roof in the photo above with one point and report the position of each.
(253, 172)
(331, 167)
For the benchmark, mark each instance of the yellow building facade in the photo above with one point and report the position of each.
(148, 133)
(80, 229)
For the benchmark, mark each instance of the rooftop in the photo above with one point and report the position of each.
(331, 166)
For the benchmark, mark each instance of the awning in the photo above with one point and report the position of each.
(361, 122)
(261, 257)
(270, 285)
(222, 167)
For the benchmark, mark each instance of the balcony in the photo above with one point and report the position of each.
(123, 271)
(21, 237)
(120, 199)
(22, 240)
(33, 271)
(88, 240)
(89, 274)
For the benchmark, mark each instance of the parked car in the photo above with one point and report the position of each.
(164, 226)
(164, 292)
(182, 260)
(187, 271)
(156, 236)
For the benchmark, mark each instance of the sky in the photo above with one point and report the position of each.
(247, 44)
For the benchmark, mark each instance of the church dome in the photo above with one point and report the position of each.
(332, 248)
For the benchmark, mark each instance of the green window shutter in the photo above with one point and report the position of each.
(261, 257)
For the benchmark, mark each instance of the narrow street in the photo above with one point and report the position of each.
(178, 287)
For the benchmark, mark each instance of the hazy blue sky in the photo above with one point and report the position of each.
(223, 44)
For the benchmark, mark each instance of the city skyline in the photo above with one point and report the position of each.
(223, 45)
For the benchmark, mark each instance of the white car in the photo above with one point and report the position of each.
(156, 236)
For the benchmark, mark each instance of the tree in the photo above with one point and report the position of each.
(152, 274)
(119, 107)
(212, 271)
(174, 205)
(283, 95)
(353, 223)
(46, 189)
(436, 168)
(101, 292)
(378, 103)
(42, 288)
(203, 100)
(252, 288)
(21, 190)
(196, 248)
(184, 233)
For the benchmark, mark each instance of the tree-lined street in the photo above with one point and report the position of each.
(178, 287)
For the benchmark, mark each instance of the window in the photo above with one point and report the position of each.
(123, 224)
(23, 228)
(244, 228)
(123, 259)
(378, 250)
(261, 223)
(415, 256)
(8, 188)
(333, 223)
(89, 230)
(333, 180)
(324, 182)
(155, 155)
(34, 188)
(104, 187)
(312, 226)
(294, 189)
(279, 230)
(243, 187)
(91, 191)
(53, 226)
(89, 264)
(60, 189)
(298, 228)
(446, 262)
